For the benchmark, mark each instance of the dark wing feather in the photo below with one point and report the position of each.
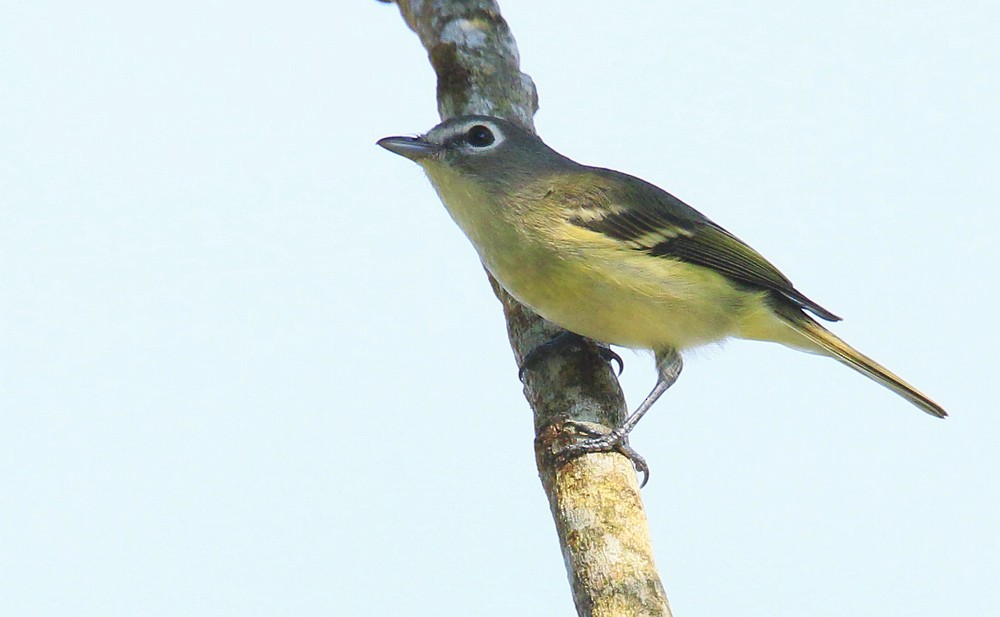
(649, 219)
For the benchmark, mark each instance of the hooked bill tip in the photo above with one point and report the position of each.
(413, 148)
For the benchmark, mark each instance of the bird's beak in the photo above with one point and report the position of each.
(413, 148)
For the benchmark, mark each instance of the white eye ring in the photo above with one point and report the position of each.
(480, 136)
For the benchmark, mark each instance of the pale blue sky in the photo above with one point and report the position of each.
(248, 366)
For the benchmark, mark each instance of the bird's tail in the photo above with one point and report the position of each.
(801, 331)
(829, 344)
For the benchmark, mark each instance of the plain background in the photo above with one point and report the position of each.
(248, 366)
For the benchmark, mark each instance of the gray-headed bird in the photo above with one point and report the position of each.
(613, 258)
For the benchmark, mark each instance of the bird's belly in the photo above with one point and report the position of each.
(629, 300)
(591, 285)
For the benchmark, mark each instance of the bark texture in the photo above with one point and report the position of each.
(594, 499)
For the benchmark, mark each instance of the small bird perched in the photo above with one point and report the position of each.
(611, 257)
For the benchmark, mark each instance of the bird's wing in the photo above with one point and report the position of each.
(648, 219)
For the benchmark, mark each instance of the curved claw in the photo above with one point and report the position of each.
(637, 461)
(615, 441)
(609, 356)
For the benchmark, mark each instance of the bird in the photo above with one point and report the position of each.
(611, 257)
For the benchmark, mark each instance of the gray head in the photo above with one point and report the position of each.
(483, 147)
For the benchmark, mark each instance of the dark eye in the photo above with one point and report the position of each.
(479, 136)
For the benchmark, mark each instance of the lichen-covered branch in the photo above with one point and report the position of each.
(595, 498)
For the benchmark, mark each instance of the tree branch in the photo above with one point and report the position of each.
(595, 498)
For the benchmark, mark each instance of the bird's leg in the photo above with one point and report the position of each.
(565, 340)
(668, 369)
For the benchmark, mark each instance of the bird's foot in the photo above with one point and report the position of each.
(565, 340)
(599, 441)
